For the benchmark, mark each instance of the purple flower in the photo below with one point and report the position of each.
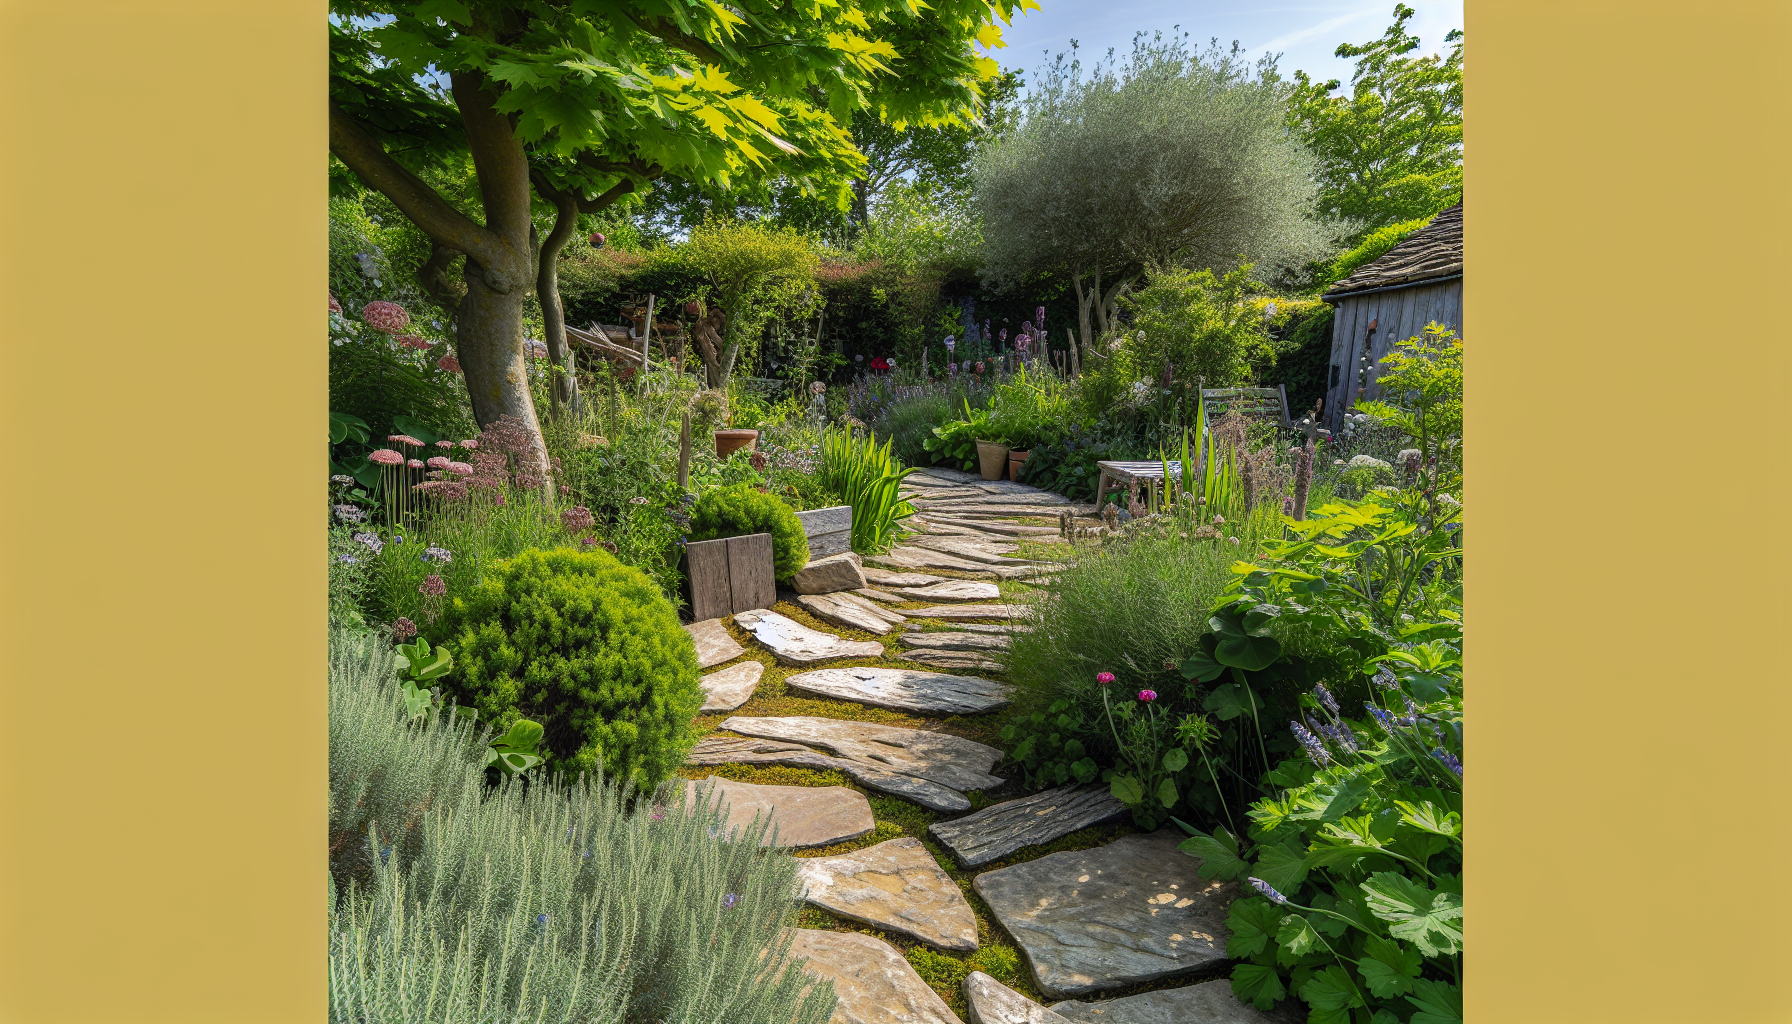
(349, 513)
(1268, 890)
(729, 900)
(433, 586)
(1385, 678)
(438, 555)
(1381, 716)
(1315, 748)
(1325, 698)
(1342, 735)
(404, 628)
(348, 559)
(1449, 760)
(371, 540)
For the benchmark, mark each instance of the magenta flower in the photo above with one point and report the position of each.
(389, 317)
(577, 518)
(459, 467)
(414, 342)
(433, 586)
(1147, 695)
(385, 457)
(1104, 678)
(444, 445)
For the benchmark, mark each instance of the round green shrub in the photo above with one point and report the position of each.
(740, 510)
(586, 646)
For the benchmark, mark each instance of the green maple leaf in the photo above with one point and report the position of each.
(1252, 922)
(1296, 938)
(1260, 986)
(1430, 920)
(1388, 967)
(1284, 867)
(1230, 701)
(1330, 989)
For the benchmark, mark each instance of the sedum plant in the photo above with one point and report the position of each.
(458, 903)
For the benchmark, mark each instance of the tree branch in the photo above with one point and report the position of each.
(356, 147)
(673, 37)
(502, 166)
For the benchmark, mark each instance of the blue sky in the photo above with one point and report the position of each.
(1305, 33)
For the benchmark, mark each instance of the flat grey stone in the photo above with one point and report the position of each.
(717, 750)
(797, 644)
(964, 611)
(896, 886)
(1029, 501)
(937, 756)
(874, 983)
(1121, 914)
(978, 642)
(886, 578)
(874, 594)
(966, 539)
(961, 661)
(988, 1001)
(843, 571)
(955, 591)
(802, 815)
(829, 530)
(859, 614)
(1006, 529)
(903, 689)
(731, 687)
(911, 557)
(1210, 1002)
(714, 645)
(946, 475)
(999, 830)
(995, 628)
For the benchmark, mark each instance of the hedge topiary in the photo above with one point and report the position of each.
(739, 510)
(588, 647)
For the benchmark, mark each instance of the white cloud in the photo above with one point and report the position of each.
(1282, 42)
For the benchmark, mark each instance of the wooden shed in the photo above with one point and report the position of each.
(1391, 299)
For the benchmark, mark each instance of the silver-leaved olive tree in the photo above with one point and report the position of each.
(583, 101)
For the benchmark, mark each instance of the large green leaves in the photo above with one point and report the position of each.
(1388, 967)
(1244, 640)
(1438, 1002)
(1218, 853)
(1429, 919)
(1253, 923)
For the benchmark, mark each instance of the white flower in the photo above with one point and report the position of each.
(1408, 453)
(1445, 499)
(1366, 462)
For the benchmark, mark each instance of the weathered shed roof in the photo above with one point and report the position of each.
(1431, 252)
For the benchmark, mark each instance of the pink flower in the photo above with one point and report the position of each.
(415, 463)
(577, 518)
(405, 439)
(404, 628)
(433, 586)
(438, 462)
(335, 307)
(459, 467)
(1104, 678)
(449, 363)
(451, 489)
(444, 444)
(385, 457)
(470, 444)
(1147, 695)
(412, 341)
(527, 482)
(389, 317)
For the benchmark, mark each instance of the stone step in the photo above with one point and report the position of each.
(711, 751)
(874, 594)
(900, 689)
(731, 687)
(896, 886)
(967, 541)
(976, 642)
(954, 591)
(999, 830)
(938, 757)
(887, 578)
(957, 661)
(967, 611)
(995, 628)
(946, 475)
(1123, 914)
(997, 527)
(803, 815)
(797, 644)
(852, 611)
(1210, 1002)
(874, 983)
(843, 571)
(911, 557)
(714, 645)
(988, 1001)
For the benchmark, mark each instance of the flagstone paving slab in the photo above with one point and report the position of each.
(968, 611)
(896, 886)
(874, 594)
(886, 578)
(714, 645)
(797, 644)
(718, 750)
(899, 689)
(1000, 829)
(731, 687)
(1210, 1002)
(937, 756)
(955, 591)
(1129, 912)
(988, 1001)
(956, 641)
(854, 614)
(874, 983)
(958, 661)
(844, 571)
(802, 815)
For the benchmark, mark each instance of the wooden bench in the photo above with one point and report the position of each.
(1125, 474)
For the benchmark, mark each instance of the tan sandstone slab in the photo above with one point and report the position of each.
(859, 614)
(955, 591)
(802, 815)
(988, 1001)
(844, 571)
(901, 689)
(886, 578)
(714, 645)
(874, 594)
(1210, 1002)
(940, 757)
(797, 644)
(874, 983)
(979, 642)
(957, 661)
(965, 611)
(897, 886)
(1000, 829)
(731, 687)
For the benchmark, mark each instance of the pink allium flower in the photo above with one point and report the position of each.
(577, 518)
(438, 462)
(335, 307)
(404, 628)
(444, 444)
(1104, 678)
(469, 444)
(433, 586)
(453, 490)
(389, 317)
(405, 439)
(415, 463)
(1147, 695)
(385, 457)
(459, 467)
(414, 342)
(449, 363)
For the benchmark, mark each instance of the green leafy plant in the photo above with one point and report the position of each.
(955, 443)
(584, 645)
(869, 479)
(516, 750)
(740, 510)
(1049, 746)
(1422, 395)
(1155, 752)
(422, 667)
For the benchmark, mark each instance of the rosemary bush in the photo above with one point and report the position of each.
(544, 902)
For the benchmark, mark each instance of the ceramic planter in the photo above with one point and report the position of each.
(992, 458)
(730, 441)
(1014, 462)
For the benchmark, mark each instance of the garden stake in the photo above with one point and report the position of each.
(684, 452)
(646, 336)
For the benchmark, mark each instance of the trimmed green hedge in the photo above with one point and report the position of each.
(740, 510)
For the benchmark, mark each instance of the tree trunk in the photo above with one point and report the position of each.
(1084, 297)
(488, 340)
(563, 388)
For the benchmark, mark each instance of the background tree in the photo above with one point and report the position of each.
(755, 271)
(586, 95)
(1390, 150)
(1171, 159)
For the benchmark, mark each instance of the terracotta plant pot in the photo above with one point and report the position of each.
(1014, 461)
(992, 456)
(730, 441)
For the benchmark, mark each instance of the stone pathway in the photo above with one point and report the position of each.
(896, 886)
(731, 687)
(802, 815)
(900, 689)
(874, 983)
(969, 611)
(1210, 1002)
(797, 644)
(714, 645)
(852, 611)
(999, 830)
(988, 1001)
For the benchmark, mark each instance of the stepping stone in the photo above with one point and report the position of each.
(958, 660)
(962, 611)
(901, 689)
(797, 644)
(826, 575)
(988, 1001)
(1210, 1002)
(988, 552)
(999, 629)
(802, 815)
(714, 645)
(896, 886)
(1007, 529)
(851, 611)
(945, 475)
(715, 750)
(1028, 501)
(874, 983)
(911, 557)
(955, 590)
(874, 594)
(936, 756)
(1121, 914)
(886, 578)
(999, 830)
(731, 687)
(978, 643)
